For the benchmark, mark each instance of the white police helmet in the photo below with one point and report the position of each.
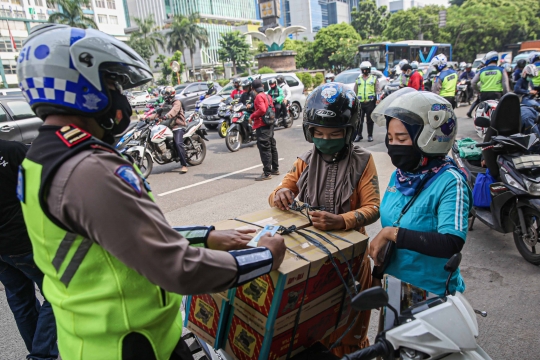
(365, 65)
(433, 112)
(414, 65)
(491, 57)
(439, 62)
(63, 70)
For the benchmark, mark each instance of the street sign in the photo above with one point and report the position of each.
(442, 18)
(32, 11)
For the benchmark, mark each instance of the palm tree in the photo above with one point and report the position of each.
(148, 33)
(185, 33)
(72, 14)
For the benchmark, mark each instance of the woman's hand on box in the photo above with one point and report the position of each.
(323, 220)
(283, 198)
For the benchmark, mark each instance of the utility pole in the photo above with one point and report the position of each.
(420, 33)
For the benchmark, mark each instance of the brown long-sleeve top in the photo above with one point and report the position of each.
(364, 202)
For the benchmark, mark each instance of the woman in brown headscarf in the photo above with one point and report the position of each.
(339, 177)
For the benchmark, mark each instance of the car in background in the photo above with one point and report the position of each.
(476, 63)
(348, 78)
(189, 93)
(11, 92)
(139, 98)
(17, 120)
(518, 57)
(209, 107)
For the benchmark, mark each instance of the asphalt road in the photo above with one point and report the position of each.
(498, 280)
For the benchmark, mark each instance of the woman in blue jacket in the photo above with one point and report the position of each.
(426, 205)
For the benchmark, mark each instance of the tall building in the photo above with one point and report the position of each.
(159, 9)
(317, 14)
(19, 16)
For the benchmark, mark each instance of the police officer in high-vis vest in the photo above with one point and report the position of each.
(534, 59)
(366, 89)
(446, 81)
(113, 266)
(493, 79)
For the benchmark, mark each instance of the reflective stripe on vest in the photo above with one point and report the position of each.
(491, 79)
(448, 85)
(97, 300)
(366, 88)
(536, 79)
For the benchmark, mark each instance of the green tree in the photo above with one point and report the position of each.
(72, 13)
(346, 56)
(331, 39)
(266, 70)
(408, 24)
(318, 79)
(177, 36)
(368, 20)
(479, 26)
(303, 52)
(168, 77)
(147, 40)
(234, 48)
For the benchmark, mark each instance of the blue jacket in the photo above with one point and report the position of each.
(467, 75)
(517, 73)
(522, 86)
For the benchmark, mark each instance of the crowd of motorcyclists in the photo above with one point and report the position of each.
(112, 267)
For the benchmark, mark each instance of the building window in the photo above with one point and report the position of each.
(100, 4)
(102, 19)
(18, 14)
(13, 25)
(5, 44)
(16, 2)
(113, 20)
(10, 66)
(42, 16)
(38, 2)
(111, 4)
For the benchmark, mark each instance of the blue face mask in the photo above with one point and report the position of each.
(328, 80)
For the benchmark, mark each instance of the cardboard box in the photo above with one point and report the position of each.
(247, 340)
(272, 216)
(207, 317)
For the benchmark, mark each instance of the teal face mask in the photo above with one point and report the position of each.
(328, 80)
(329, 146)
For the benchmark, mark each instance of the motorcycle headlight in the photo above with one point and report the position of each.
(512, 182)
(532, 188)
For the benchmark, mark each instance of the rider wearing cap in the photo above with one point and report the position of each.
(339, 176)
(446, 81)
(211, 89)
(493, 78)
(114, 267)
(416, 81)
(366, 88)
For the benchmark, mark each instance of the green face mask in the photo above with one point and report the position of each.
(329, 146)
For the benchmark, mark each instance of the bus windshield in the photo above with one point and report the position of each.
(375, 54)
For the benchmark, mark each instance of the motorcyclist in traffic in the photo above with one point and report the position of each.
(276, 93)
(114, 267)
(493, 78)
(467, 75)
(445, 82)
(524, 85)
(519, 68)
(211, 89)
(416, 81)
(366, 89)
(403, 80)
(329, 77)
(237, 89)
(286, 96)
(248, 96)
(534, 59)
(477, 100)
(414, 65)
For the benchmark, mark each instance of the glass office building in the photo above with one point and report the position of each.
(217, 17)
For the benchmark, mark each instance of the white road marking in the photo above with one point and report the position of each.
(212, 179)
(298, 125)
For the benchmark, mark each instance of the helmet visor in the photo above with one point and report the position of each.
(129, 76)
(405, 104)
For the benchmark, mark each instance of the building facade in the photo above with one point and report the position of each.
(19, 16)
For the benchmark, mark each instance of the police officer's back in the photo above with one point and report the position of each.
(113, 266)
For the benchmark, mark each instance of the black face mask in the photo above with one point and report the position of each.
(116, 120)
(404, 157)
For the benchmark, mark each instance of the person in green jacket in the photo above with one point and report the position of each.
(113, 267)
(276, 93)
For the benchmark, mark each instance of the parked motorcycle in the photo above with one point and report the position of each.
(224, 111)
(131, 136)
(462, 93)
(484, 109)
(157, 145)
(293, 109)
(240, 131)
(515, 194)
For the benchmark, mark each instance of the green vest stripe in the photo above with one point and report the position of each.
(76, 261)
(63, 249)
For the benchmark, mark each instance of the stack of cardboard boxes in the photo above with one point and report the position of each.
(305, 298)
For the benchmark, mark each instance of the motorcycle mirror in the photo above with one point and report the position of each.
(482, 121)
(451, 266)
(372, 298)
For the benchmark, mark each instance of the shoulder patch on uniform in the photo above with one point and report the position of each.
(20, 184)
(128, 174)
(72, 135)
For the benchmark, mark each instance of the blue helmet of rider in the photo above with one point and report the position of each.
(439, 62)
(491, 57)
(82, 72)
(534, 57)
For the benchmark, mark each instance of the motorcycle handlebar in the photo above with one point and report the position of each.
(381, 348)
(484, 144)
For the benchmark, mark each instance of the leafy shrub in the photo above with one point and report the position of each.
(266, 70)
(318, 80)
(223, 82)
